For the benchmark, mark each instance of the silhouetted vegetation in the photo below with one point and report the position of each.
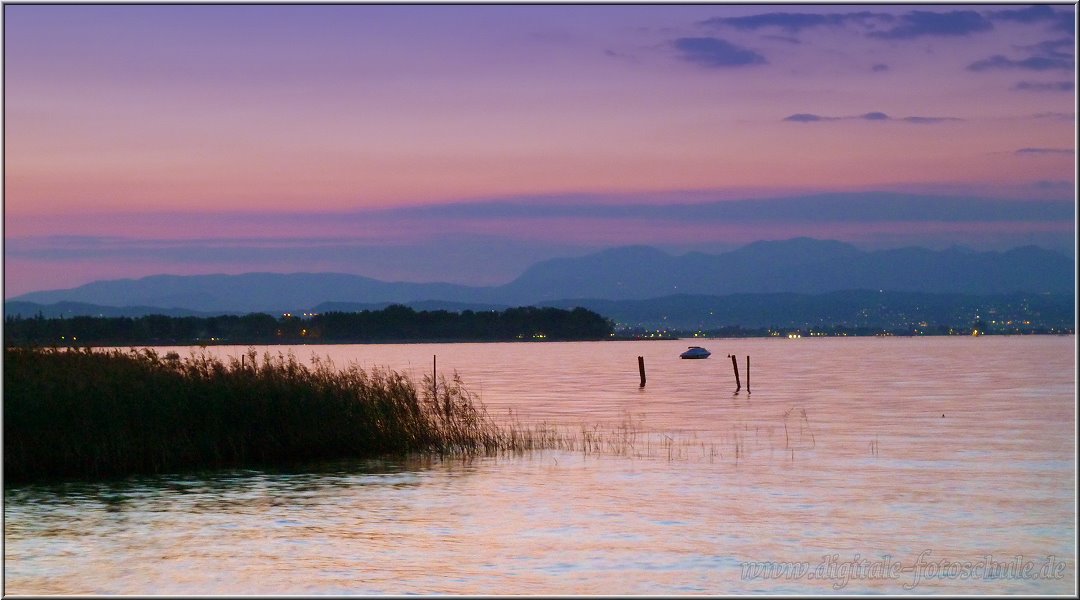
(93, 414)
(395, 323)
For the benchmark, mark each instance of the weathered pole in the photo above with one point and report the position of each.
(747, 373)
(735, 365)
(434, 375)
(641, 369)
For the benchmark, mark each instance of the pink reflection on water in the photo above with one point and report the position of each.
(713, 480)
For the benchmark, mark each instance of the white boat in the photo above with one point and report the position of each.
(695, 352)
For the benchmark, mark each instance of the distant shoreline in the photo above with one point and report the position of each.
(394, 324)
(399, 324)
(421, 341)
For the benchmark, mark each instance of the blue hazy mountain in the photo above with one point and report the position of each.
(800, 265)
(249, 292)
(797, 266)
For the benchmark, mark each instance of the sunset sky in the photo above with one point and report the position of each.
(403, 142)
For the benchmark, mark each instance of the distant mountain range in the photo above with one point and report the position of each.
(797, 266)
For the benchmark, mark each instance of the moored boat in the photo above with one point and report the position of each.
(695, 352)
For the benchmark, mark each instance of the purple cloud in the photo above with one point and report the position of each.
(783, 38)
(1060, 20)
(1055, 116)
(621, 56)
(870, 116)
(1045, 86)
(911, 25)
(1057, 48)
(716, 53)
(1030, 14)
(796, 22)
(921, 23)
(1044, 151)
(807, 118)
(1033, 63)
(1045, 56)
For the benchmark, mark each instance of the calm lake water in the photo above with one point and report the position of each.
(885, 465)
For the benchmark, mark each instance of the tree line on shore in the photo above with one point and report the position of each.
(392, 324)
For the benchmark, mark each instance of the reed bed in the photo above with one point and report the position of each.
(77, 413)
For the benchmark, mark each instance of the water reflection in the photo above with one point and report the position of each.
(840, 450)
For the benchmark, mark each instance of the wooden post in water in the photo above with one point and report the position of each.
(434, 374)
(735, 365)
(747, 373)
(641, 369)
